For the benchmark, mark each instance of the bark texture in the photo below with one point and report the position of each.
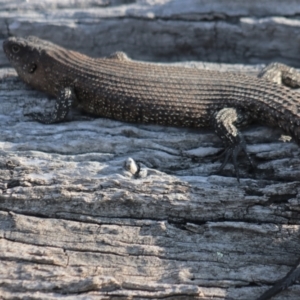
(76, 224)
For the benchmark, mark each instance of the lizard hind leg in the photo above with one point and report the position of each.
(281, 74)
(224, 123)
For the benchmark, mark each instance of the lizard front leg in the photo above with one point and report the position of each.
(224, 123)
(62, 106)
(281, 74)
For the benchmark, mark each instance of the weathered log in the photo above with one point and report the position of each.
(75, 224)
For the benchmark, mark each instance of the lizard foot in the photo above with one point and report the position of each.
(224, 124)
(41, 118)
(61, 109)
(231, 153)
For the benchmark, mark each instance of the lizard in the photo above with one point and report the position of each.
(127, 90)
(123, 89)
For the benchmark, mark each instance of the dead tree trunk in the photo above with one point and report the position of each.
(74, 224)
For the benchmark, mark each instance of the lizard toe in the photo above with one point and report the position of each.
(230, 153)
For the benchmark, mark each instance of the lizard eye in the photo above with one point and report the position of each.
(15, 49)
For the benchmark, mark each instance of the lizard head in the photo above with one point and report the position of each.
(26, 55)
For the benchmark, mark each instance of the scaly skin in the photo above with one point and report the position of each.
(127, 90)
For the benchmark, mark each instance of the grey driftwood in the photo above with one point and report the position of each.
(75, 224)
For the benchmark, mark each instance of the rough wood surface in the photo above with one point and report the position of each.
(75, 224)
(162, 30)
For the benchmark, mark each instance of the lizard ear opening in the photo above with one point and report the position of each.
(32, 68)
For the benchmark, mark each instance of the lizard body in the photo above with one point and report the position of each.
(119, 88)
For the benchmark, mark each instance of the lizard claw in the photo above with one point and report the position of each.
(40, 117)
(232, 152)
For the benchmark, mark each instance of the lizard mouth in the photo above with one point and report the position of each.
(5, 47)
